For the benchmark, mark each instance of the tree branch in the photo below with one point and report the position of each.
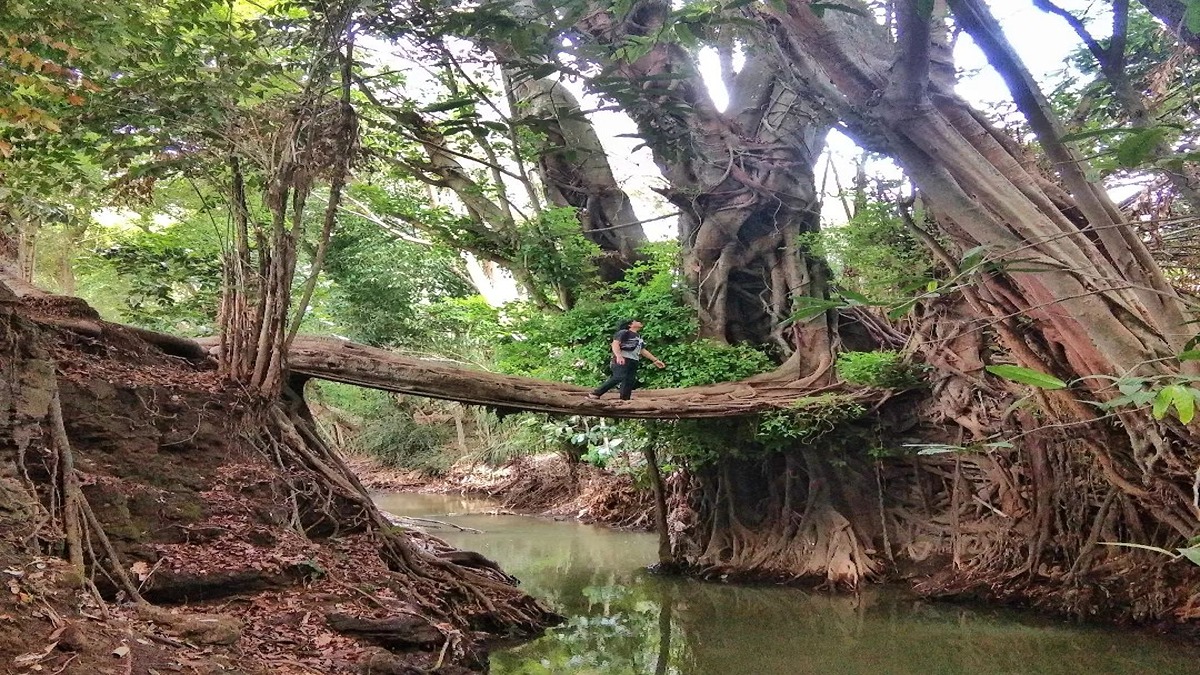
(909, 86)
(1102, 55)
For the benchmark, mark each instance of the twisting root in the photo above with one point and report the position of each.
(327, 494)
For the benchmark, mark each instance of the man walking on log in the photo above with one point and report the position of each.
(628, 348)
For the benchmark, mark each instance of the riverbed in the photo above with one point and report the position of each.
(623, 620)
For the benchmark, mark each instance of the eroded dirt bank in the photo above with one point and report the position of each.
(544, 485)
(240, 571)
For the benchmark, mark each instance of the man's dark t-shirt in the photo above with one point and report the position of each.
(631, 344)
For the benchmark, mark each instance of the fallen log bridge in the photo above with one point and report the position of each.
(342, 361)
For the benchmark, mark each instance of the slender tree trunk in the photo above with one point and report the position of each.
(346, 139)
(666, 559)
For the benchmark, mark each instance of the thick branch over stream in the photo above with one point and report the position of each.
(347, 362)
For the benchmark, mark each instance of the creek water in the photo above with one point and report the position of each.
(623, 620)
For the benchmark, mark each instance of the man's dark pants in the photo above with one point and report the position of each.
(622, 374)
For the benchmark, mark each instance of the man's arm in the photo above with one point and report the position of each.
(653, 358)
(616, 350)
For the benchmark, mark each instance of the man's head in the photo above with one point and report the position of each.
(635, 325)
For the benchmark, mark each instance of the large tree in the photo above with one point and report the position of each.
(741, 178)
(1054, 270)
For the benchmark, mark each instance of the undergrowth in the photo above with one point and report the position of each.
(888, 369)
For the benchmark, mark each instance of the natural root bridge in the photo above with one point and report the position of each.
(342, 361)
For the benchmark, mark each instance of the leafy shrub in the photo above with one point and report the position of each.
(400, 442)
(574, 346)
(874, 254)
(498, 442)
(806, 420)
(878, 369)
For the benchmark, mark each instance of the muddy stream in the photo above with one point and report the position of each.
(621, 619)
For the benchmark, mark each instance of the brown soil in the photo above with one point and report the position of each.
(199, 521)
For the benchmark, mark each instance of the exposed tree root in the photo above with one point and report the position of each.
(327, 495)
(792, 527)
(140, 492)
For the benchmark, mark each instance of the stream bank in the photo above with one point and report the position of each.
(621, 619)
(543, 485)
(200, 554)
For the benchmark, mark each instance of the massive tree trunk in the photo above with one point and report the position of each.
(575, 171)
(742, 180)
(1068, 289)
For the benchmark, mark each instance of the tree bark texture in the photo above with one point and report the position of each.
(1069, 289)
(741, 178)
(575, 171)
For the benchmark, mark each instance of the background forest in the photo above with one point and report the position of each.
(443, 180)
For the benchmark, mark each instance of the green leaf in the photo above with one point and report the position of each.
(810, 308)
(1185, 404)
(855, 297)
(1027, 376)
(1191, 16)
(1131, 385)
(972, 257)
(1161, 403)
(900, 310)
(452, 104)
(1136, 149)
(1192, 553)
(925, 8)
(1190, 355)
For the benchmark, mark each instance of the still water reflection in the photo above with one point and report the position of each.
(622, 620)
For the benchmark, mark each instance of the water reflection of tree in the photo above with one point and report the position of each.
(667, 626)
(625, 627)
(775, 630)
(625, 621)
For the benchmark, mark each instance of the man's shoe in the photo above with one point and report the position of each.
(593, 397)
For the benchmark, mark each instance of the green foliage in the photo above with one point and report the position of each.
(386, 429)
(552, 247)
(393, 437)
(170, 277)
(574, 346)
(887, 369)
(809, 419)
(593, 441)
(359, 402)
(873, 254)
(497, 442)
(383, 289)
(1101, 124)
(1162, 394)
(806, 420)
